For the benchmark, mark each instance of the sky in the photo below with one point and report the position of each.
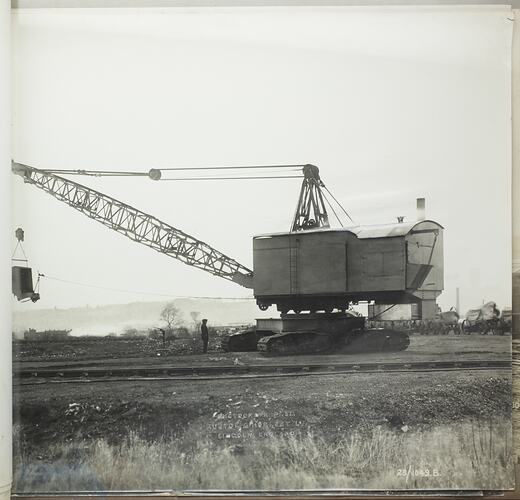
(392, 104)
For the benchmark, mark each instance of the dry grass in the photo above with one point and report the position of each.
(469, 455)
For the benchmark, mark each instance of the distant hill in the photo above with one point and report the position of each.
(115, 318)
(103, 320)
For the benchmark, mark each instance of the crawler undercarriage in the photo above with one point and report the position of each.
(316, 333)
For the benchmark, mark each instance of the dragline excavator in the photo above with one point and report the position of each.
(313, 273)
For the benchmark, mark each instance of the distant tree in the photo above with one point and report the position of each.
(171, 315)
(130, 332)
(182, 332)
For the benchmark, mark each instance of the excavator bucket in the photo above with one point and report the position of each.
(23, 283)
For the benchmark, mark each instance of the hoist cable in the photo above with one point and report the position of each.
(138, 292)
(339, 204)
(332, 208)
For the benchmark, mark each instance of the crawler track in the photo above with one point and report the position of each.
(105, 374)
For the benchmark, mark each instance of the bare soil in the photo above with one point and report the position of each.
(81, 348)
(232, 412)
(86, 351)
(226, 411)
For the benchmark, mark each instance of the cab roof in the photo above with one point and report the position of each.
(367, 231)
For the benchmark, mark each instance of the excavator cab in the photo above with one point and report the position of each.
(22, 281)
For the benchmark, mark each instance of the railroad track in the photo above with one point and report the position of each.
(103, 374)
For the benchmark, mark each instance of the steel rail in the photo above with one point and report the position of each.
(103, 374)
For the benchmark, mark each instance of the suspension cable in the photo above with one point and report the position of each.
(332, 208)
(339, 204)
(238, 177)
(115, 173)
(19, 246)
(96, 173)
(233, 168)
(155, 174)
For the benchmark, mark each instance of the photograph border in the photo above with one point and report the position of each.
(5, 345)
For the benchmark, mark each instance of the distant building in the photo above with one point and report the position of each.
(32, 334)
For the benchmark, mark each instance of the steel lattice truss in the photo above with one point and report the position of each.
(310, 212)
(137, 225)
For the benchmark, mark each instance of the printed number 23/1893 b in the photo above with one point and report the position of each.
(418, 472)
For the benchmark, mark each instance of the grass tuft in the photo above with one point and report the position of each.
(469, 455)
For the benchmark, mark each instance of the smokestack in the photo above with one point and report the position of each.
(457, 299)
(421, 209)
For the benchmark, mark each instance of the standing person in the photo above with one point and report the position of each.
(204, 334)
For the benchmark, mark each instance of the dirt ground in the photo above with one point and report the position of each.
(80, 348)
(183, 352)
(230, 410)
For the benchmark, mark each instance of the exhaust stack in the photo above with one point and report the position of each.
(421, 209)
